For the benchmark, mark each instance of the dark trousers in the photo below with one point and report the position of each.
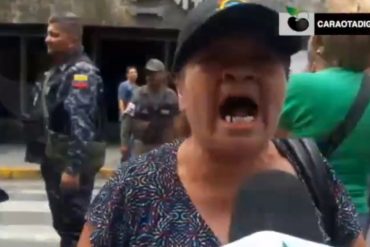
(364, 222)
(68, 209)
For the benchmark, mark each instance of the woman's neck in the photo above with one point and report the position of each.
(202, 167)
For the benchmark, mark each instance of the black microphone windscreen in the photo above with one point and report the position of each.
(275, 201)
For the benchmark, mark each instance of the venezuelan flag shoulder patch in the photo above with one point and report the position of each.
(80, 81)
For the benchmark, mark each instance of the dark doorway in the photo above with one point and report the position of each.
(37, 59)
(115, 56)
(9, 66)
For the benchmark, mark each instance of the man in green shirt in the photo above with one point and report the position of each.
(317, 101)
(315, 104)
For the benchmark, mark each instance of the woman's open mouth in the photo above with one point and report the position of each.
(238, 110)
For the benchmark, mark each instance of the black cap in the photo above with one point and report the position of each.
(155, 65)
(213, 19)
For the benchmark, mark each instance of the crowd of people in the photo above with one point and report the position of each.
(237, 112)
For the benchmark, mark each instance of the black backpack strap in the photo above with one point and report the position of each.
(316, 176)
(345, 127)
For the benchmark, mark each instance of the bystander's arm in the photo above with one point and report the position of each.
(85, 236)
(122, 106)
(81, 105)
(122, 102)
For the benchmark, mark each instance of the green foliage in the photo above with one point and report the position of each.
(293, 11)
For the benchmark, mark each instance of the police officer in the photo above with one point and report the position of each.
(155, 106)
(71, 101)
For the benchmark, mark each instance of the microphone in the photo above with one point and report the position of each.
(275, 201)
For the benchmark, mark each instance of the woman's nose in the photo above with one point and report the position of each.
(238, 75)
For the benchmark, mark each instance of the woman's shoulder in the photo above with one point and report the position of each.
(147, 176)
(152, 164)
(146, 170)
(338, 213)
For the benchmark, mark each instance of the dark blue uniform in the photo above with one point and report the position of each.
(72, 107)
(73, 95)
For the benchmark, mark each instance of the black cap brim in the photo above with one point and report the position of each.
(253, 20)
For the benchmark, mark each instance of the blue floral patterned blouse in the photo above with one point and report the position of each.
(145, 204)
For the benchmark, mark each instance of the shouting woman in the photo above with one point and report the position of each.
(231, 68)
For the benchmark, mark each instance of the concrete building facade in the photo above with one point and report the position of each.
(118, 33)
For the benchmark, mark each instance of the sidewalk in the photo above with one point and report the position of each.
(12, 165)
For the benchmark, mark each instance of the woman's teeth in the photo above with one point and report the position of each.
(236, 119)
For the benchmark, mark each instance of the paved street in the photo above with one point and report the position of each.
(25, 219)
(13, 155)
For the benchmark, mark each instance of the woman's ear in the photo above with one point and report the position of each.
(181, 101)
(180, 92)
